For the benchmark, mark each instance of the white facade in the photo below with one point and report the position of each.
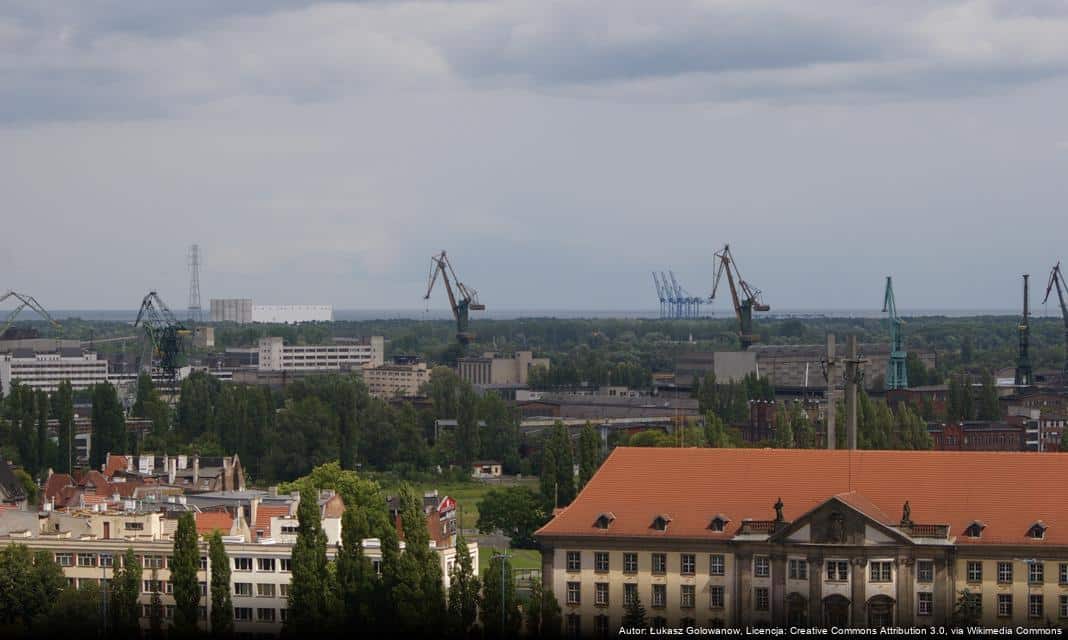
(277, 356)
(237, 310)
(46, 370)
(292, 313)
(390, 380)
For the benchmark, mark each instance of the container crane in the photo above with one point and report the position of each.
(24, 301)
(164, 332)
(467, 300)
(1056, 279)
(661, 296)
(896, 369)
(745, 304)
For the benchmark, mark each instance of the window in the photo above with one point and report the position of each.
(1005, 605)
(924, 603)
(574, 561)
(574, 593)
(717, 524)
(630, 591)
(600, 627)
(659, 563)
(715, 597)
(203, 588)
(152, 562)
(761, 566)
(1062, 573)
(1064, 607)
(660, 523)
(265, 590)
(65, 559)
(837, 570)
(86, 559)
(242, 613)
(242, 564)
(283, 590)
(203, 563)
(243, 589)
(265, 614)
(265, 564)
(107, 560)
(974, 530)
(1037, 531)
(1036, 573)
(283, 615)
(1035, 605)
(151, 586)
(630, 563)
(688, 564)
(760, 599)
(975, 571)
(687, 596)
(925, 571)
(600, 594)
(716, 565)
(603, 521)
(600, 561)
(574, 625)
(168, 587)
(286, 565)
(1005, 572)
(134, 526)
(659, 596)
(880, 571)
(798, 569)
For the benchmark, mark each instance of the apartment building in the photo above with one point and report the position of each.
(44, 370)
(274, 355)
(394, 379)
(734, 537)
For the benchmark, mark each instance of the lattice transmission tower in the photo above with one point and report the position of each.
(195, 315)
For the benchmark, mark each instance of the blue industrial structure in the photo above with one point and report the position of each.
(675, 302)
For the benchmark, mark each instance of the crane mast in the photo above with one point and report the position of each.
(1024, 374)
(896, 369)
(164, 332)
(1056, 279)
(24, 300)
(745, 302)
(462, 300)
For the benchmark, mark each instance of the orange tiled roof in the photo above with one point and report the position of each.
(209, 521)
(1006, 491)
(55, 485)
(114, 463)
(263, 518)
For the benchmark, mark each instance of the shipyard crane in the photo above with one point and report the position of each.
(467, 300)
(24, 301)
(1024, 373)
(661, 296)
(896, 369)
(164, 332)
(1056, 279)
(744, 304)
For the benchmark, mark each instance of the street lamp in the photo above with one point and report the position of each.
(502, 557)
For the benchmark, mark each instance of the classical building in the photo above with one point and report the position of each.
(274, 355)
(738, 537)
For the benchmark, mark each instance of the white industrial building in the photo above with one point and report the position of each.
(45, 370)
(244, 311)
(276, 356)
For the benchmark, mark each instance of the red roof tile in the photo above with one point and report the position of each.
(114, 463)
(56, 483)
(209, 521)
(263, 518)
(1006, 491)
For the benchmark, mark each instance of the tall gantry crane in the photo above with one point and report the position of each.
(164, 332)
(896, 370)
(466, 301)
(661, 295)
(745, 303)
(1024, 373)
(24, 301)
(1056, 279)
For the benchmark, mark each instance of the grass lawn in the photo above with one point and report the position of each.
(521, 558)
(468, 495)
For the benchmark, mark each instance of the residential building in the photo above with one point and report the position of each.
(193, 474)
(44, 370)
(399, 378)
(274, 355)
(491, 370)
(486, 469)
(756, 537)
(977, 435)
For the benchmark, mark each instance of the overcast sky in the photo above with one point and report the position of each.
(320, 152)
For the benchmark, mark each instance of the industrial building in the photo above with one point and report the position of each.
(274, 355)
(491, 370)
(44, 364)
(244, 311)
(402, 377)
(793, 537)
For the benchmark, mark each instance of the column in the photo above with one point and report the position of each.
(944, 596)
(743, 587)
(778, 589)
(905, 607)
(815, 589)
(858, 606)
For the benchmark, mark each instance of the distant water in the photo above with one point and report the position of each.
(118, 315)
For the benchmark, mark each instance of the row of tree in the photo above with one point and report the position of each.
(24, 427)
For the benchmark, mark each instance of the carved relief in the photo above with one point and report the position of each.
(836, 532)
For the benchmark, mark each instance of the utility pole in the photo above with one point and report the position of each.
(830, 366)
(502, 557)
(853, 376)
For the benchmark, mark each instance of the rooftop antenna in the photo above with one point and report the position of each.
(195, 316)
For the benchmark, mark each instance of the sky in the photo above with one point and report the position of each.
(559, 151)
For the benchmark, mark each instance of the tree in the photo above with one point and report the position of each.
(500, 611)
(467, 431)
(1064, 439)
(29, 585)
(418, 594)
(108, 424)
(43, 446)
(123, 609)
(515, 511)
(784, 429)
(63, 408)
(500, 439)
(155, 609)
(28, 485)
(355, 575)
(589, 454)
(309, 588)
(76, 613)
(634, 613)
(564, 467)
(547, 479)
(989, 403)
(464, 590)
(968, 609)
(222, 607)
(184, 565)
(543, 612)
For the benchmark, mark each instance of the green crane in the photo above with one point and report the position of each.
(1056, 279)
(462, 300)
(746, 298)
(897, 376)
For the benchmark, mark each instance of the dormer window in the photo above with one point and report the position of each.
(719, 523)
(604, 520)
(1037, 531)
(660, 523)
(974, 530)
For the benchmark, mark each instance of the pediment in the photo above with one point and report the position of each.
(840, 520)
